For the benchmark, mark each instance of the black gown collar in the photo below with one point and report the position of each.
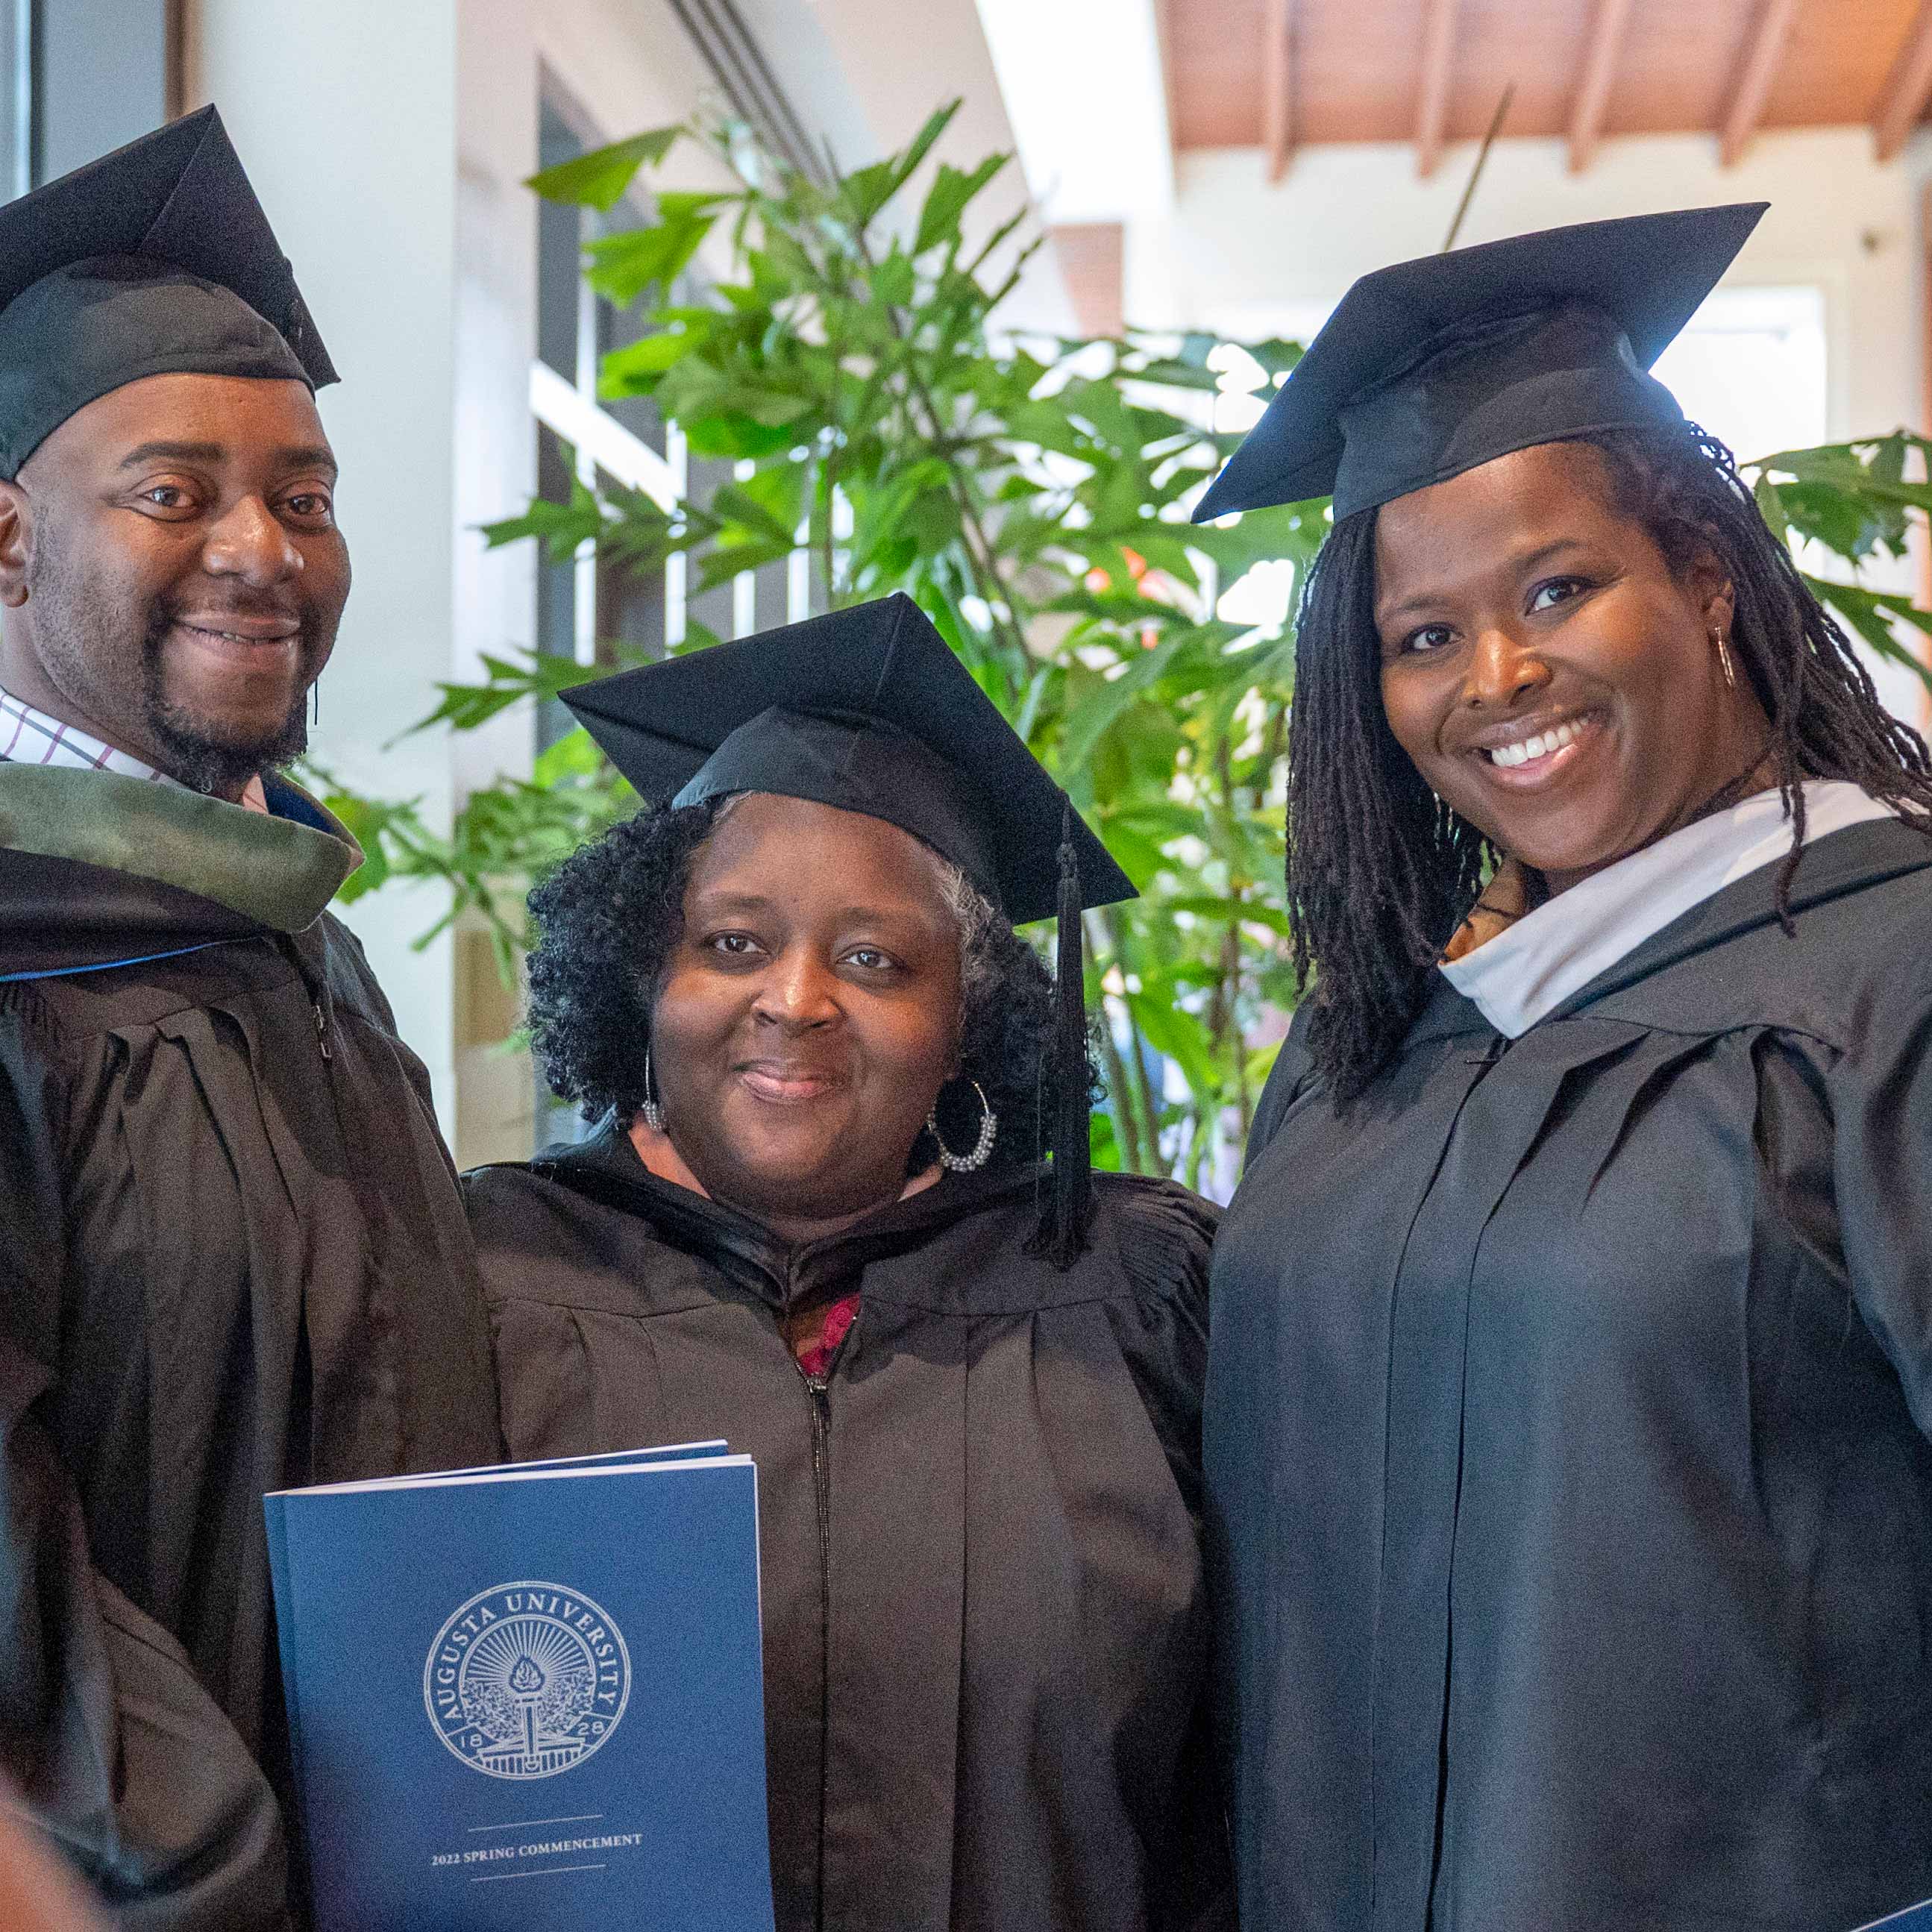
(1849, 861)
(604, 1167)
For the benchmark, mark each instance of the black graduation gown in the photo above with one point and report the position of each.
(985, 1671)
(1570, 1497)
(228, 1263)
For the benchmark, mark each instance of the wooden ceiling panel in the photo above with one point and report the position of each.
(1216, 50)
(1837, 60)
(1680, 66)
(1358, 66)
(1538, 44)
(1358, 71)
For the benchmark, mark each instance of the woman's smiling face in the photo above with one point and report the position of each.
(809, 1013)
(1553, 679)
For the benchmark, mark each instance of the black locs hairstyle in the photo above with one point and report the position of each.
(609, 916)
(1380, 872)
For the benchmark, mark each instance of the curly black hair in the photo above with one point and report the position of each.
(1380, 872)
(610, 914)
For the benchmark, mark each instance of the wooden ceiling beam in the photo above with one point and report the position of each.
(1432, 111)
(1762, 52)
(1593, 88)
(1277, 85)
(1906, 88)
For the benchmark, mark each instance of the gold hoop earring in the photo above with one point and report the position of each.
(1724, 658)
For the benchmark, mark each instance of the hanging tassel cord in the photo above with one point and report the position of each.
(1064, 1230)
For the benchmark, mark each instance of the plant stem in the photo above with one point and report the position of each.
(1141, 1083)
(1476, 172)
(1127, 1128)
(981, 557)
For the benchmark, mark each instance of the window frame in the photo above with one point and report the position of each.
(572, 411)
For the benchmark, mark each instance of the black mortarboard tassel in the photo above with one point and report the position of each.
(156, 260)
(1433, 367)
(1063, 1230)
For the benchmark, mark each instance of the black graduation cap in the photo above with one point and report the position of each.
(1430, 367)
(155, 259)
(867, 709)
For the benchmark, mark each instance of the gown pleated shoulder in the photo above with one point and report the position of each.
(1570, 1491)
(986, 1664)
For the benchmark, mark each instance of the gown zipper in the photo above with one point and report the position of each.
(317, 990)
(818, 1396)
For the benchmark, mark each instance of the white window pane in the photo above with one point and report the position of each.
(1750, 367)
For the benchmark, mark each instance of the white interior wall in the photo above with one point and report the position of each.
(1084, 89)
(345, 116)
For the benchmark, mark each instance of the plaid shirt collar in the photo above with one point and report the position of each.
(30, 737)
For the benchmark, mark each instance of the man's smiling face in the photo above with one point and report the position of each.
(172, 574)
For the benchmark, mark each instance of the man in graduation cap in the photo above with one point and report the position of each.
(232, 1256)
(1569, 1416)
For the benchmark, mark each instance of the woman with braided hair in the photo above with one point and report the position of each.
(1569, 1390)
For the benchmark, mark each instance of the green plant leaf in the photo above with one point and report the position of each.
(861, 195)
(636, 368)
(622, 267)
(1872, 614)
(947, 200)
(893, 281)
(936, 125)
(560, 527)
(465, 706)
(599, 178)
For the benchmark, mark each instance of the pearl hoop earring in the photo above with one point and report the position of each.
(989, 1127)
(651, 1111)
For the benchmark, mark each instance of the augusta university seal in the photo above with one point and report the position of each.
(525, 1680)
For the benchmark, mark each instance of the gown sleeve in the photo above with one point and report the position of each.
(1168, 1234)
(115, 1749)
(1881, 1100)
(1288, 1079)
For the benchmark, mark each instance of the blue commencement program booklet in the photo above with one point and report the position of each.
(529, 1696)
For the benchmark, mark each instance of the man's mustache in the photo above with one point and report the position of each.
(279, 609)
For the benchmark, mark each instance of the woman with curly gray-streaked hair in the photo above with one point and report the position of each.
(817, 1218)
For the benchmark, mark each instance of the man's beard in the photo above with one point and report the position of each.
(198, 754)
(83, 648)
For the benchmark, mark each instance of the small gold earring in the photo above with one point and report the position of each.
(1724, 658)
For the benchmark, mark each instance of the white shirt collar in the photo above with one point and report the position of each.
(1529, 969)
